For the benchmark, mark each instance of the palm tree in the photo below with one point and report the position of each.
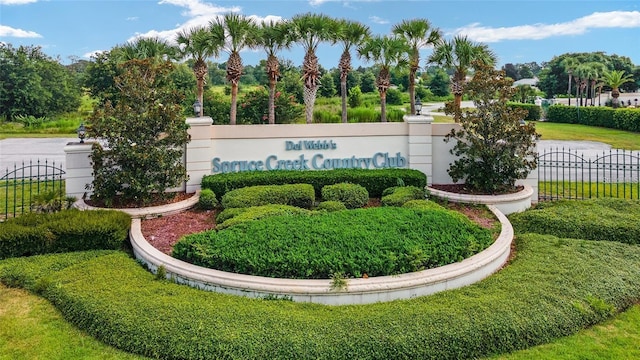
(615, 79)
(239, 32)
(570, 65)
(199, 44)
(309, 30)
(351, 33)
(459, 54)
(419, 34)
(273, 37)
(146, 48)
(597, 69)
(385, 52)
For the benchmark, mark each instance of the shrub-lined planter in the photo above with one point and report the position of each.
(506, 203)
(149, 212)
(354, 291)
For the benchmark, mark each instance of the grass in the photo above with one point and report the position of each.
(585, 190)
(618, 139)
(21, 195)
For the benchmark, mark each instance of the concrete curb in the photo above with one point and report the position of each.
(356, 291)
(149, 212)
(507, 203)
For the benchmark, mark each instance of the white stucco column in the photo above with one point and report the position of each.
(198, 162)
(79, 170)
(420, 143)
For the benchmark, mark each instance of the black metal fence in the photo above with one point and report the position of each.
(565, 174)
(27, 184)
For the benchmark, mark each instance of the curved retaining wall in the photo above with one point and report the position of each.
(152, 211)
(357, 291)
(507, 203)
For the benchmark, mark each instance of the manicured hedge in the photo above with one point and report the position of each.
(300, 195)
(533, 110)
(397, 196)
(554, 287)
(331, 206)
(606, 219)
(375, 181)
(235, 216)
(425, 205)
(68, 230)
(622, 119)
(353, 196)
(376, 241)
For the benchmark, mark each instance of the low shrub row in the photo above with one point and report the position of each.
(622, 119)
(552, 288)
(68, 230)
(374, 241)
(375, 181)
(358, 115)
(533, 110)
(300, 195)
(606, 219)
(234, 216)
(398, 195)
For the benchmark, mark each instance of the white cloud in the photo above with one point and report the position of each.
(378, 20)
(612, 19)
(90, 54)
(317, 2)
(19, 33)
(132, 18)
(16, 2)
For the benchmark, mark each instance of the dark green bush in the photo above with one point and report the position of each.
(622, 119)
(207, 200)
(229, 213)
(69, 230)
(300, 195)
(402, 194)
(351, 195)
(552, 288)
(605, 219)
(394, 96)
(533, 111)
(331, 206)
(259, 212)
(375, 181)
(376, 241)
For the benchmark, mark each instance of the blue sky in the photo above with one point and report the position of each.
(517, 31)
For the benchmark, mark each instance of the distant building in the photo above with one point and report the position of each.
(531, 82)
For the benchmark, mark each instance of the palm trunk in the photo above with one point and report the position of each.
(272, 101)
(383, 106)
(200, 84)
(457, 107)
(343, 91)
(412, 89)
(569, 89)
(234, 103)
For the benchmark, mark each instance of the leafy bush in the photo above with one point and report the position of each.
(622, 119)
(351, 195)
(207, 200)
(69, 230)
(394, 96)
(424, 205)
(300, 195)
(402, 194)
(605, 219)
(375, 241)
(331, 206)
(533, 111)
(355, 97)
(552, 288)
(228, 213)
(254, 108)
(375, 181)
(257, 213)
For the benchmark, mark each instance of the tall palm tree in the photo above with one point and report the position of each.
(309, 30)
(199, 43)
(239, 32)
(384, 51)
(419, 34)
(146, 48)
(459, 54)
(615, 79)
(350, 34)
(570, 65)
(597, 69)
(273, 37)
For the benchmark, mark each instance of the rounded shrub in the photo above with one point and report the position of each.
(207, 200)
(331, 206)
(399, 195)
(260, 212)
(300, 195)
(351, 195)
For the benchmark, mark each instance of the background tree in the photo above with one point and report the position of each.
(460, 54)
(438, 81)
(309, 30)
(386, 52)
(615, 79)
(273, 37)
(493, 148)
(239, 32)
(145, 133)
(523, 92)
(145, 48)
(351, 33)
(199, 44)
(33, 84)
(419, 34)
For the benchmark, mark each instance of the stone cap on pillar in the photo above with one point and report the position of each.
(418, 119)
(200, 121)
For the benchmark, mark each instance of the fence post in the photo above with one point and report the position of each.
(79, 170)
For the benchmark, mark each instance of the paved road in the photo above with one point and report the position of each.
(15, 151)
